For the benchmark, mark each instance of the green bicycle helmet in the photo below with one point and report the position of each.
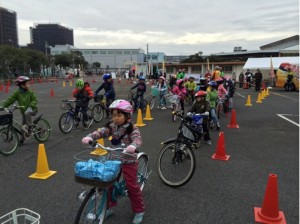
(79, 84)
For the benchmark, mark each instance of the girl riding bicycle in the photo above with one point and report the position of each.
(180, 90)
(162, 89)
(212, 97)
(140, 90)
(123, 131)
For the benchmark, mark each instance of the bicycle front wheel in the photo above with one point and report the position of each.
(98, 113)
(152, 102)
(142, 170)
(42, 130)
(174, 116)
(176, 164)
(9, 141)
(93, 207)
(143, 105)
(90, 116)
(66, 122)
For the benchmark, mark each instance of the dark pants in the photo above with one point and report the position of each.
(84, 112)
(205, 130)
(257, 86)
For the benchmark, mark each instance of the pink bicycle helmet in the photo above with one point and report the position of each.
(163, 78)
(122, 105)
(179, 81)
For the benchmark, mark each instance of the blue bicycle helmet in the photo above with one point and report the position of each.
(106, 76)
(141, 78)
(212, 83)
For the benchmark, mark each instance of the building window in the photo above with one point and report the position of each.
(102, 52)
(196, 68)
(118, 52)
(135, 52)
(227, 69)
(111, 52)
(126, 52)
(87, 52)
(94, 52)
(154, 57)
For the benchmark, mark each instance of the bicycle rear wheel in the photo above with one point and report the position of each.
(93, 207)
(42, 130)
(176, 164)
(98, 113)
(174, 116)
(142, 170)
(9, 141)
(66, 122)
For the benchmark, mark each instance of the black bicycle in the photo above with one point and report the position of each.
(137, 103)
(69, 119)
(176, 161)
(12, 134)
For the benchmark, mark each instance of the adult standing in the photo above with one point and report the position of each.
(241, 79)
(248, 75)
(258, 79)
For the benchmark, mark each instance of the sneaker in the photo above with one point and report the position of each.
(163, 108)
(109, 213)
(138, 218)
(208, 142)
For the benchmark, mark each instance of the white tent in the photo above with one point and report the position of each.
(265, 63)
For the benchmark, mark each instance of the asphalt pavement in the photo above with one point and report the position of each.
(225, 192)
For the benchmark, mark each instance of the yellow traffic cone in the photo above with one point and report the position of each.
(139, 121)
(148, 114)
(42, 170)
(64, 84)
(71, 83)
(258, 98)
(248, 101)
(267, 93)
(263, 94)
(99, 151)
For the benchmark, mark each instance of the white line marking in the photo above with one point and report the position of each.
(277, 94)
(240, 95)
(293, 122)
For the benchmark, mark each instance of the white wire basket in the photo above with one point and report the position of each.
(21, 216)
(174, 99)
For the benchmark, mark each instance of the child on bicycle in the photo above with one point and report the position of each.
(109, 89)
(162, 89)
(140, 90)
(25, 97)
(83, 94)
(212, 98)
(222, 92)
(191, 86)
(201, 106)
(180, 90)
(123, 131)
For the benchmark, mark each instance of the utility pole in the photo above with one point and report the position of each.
(147, 72)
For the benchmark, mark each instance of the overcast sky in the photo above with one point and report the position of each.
(175, 27)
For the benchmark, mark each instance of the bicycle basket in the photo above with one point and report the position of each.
(191, 133)
(6, 119)
(66, 104)
(21, 215)
(98, 98)
(98, 168)
(154, 91)
(174, 99)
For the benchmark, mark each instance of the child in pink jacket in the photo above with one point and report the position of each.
(180, 90)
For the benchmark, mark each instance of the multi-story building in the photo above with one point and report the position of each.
(44, 36)
(8, 28)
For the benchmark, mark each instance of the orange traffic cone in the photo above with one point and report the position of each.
(259, 98)
(269, 213)
(99, 151)
(233, 123)
(248, 101)
(42, 170)
(148, 114)
(220, 153)
(52, 92)
(139, 121)
(245, 86)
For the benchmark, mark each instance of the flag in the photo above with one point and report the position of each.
(272, 75)
(207, 60)
(163, 67)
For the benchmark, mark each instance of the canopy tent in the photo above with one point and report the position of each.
(265, 63)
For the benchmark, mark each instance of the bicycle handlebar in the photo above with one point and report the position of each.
(11, 109)
(96, 144)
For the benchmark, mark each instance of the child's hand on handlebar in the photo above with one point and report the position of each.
(130, 149)
(86, 140)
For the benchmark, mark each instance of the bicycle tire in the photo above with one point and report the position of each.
(218, 109)
(142, 170)
(42, 130)
(88, 210)
(9, 141)
(90, 116)
(66, 122)
(145, 103)
(97, 113)
(152, 102)
(172, 165)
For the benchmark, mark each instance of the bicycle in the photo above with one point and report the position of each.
(175, 105)
(69, 120)
(155, 93)
(99, 108)
(176, 161)
(189, 97)
(95, 203)
(222, 105)
(137, 104)
(12, 129)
